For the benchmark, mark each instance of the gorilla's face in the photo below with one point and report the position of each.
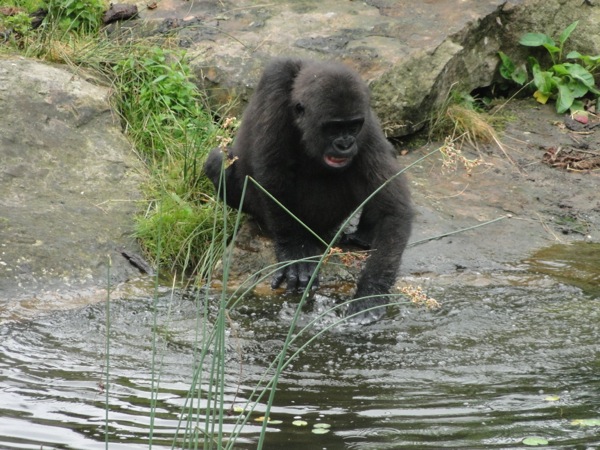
(340, 141)
(330, 110)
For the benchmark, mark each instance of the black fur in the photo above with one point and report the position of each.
(309, 138)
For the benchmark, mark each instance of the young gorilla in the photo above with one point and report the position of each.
(309, 138)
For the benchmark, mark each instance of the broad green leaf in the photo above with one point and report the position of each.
(532, 61)
(578, 88)
(300, 423)
(579, 73)
(536, 40)
(552, 49)
(320, 430)
(506, 61)
(565, 98)
(574, 55)
(567, 32)
(322, 425)
(578, 106)
(560, 69)
(543, 80)
(507, 67)
(519, 76)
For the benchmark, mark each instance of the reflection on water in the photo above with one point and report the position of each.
(476, 374)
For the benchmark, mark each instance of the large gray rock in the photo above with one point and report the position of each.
(68, 183)
(411, 53)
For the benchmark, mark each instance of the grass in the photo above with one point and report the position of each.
(163, 113)
(460, 118)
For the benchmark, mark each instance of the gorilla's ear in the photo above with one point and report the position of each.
(299, 108)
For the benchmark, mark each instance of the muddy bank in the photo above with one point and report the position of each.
(546, 205)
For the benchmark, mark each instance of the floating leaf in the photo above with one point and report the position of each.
(534, 441)
(269, 421)
(320, 430)
(321, 425)
(300, 423)
(238, 409)
(586, 422)
(552, 398)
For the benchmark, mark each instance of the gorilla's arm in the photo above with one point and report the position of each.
(292, 241)
(273, 143)
(386, 220)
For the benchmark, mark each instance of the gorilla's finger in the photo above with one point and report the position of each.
(304, 274)
(291, 275)
(278, 278)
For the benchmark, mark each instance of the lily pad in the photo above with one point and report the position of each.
(586, 422)
(535, 441)
(300, 423)
(320, 430)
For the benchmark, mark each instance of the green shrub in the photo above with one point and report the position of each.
(83, 16)
(565, 82)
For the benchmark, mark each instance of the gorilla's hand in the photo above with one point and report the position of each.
(369, 301)
(296, 271)
(297, 275)
(364, 311)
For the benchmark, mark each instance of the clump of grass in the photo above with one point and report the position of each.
(461, 118)
(166, 117)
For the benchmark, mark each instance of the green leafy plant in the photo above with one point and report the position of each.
(75, 15)
(565, 82)
(17, 25)
(165, 115)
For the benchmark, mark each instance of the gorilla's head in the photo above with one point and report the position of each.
(331, 104)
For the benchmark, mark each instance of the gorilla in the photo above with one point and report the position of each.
(310, 139)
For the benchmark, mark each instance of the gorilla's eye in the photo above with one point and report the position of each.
(299, 108)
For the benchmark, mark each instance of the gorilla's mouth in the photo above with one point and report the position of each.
(335, 162)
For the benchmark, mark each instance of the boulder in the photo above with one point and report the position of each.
(411, 53)
(68, 184)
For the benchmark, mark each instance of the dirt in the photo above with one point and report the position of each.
(541, 183)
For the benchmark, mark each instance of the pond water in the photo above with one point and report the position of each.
(511, 358)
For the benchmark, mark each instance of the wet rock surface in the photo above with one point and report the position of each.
(68, 184)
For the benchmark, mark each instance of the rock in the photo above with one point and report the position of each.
(119, 11)
(68, 184)
(411, 53)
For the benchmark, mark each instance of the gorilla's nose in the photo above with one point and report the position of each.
(343, 144)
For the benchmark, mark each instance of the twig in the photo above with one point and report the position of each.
(422, 241)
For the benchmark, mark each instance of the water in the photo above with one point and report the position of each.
(516, 358)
